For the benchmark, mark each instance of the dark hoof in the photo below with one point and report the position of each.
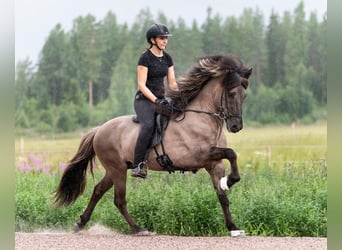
(232, 180)
(77, 228)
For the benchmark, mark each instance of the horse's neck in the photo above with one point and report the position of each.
(209, 101)
(199, 123)
(209, 98)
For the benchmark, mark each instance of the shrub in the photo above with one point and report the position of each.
(83, 115)
(67, 120)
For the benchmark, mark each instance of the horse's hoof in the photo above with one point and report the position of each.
(237, 233)
(77, 228)
(144, 233)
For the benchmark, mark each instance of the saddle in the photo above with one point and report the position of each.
(163, 159)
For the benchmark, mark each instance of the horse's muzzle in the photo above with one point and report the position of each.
(234, 125)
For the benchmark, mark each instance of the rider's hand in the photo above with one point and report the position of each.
(163, 106)
(162, 102)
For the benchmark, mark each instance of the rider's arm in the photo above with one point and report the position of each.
(171, 79)
(142, 78)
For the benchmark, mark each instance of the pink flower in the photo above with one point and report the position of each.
(47, 168)
(63, 165)
(25, 167)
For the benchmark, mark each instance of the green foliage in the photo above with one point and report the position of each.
(21, 119)
(290, 203)
(34, 206)
(94, 65)
(295, 102)
(276, 44)
(261, 106)
(181, 205)
(66, 118)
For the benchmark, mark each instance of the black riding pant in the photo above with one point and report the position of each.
(145, 111)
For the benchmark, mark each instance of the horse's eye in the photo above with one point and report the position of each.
(231, 94)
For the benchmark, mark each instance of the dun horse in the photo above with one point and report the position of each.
(211, 93)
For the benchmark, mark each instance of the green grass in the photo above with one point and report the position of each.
(282, 192)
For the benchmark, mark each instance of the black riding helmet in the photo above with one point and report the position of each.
(157, 30)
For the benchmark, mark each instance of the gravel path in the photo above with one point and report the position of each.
(101, 238)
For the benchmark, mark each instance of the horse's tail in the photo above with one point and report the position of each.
(73, 180)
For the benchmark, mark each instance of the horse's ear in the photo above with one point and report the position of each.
(244, 82)
(247, 72)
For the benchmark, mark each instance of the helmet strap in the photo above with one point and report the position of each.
(156, 44)
(158, 47)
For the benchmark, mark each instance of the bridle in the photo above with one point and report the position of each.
(220, 114)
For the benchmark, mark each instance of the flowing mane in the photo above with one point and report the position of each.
(202, 71)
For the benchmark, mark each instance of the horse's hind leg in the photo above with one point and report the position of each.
(216, 174)
(100, 189)
(217, 153)
(121, 203)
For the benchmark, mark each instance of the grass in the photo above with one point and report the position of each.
(282, 191)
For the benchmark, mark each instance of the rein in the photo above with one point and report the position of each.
(221, 115)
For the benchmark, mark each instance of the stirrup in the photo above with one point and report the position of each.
(140, 170)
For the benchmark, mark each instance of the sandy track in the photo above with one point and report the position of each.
(102, 238)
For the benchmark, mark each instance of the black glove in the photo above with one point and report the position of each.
(162, 102)
(163, 106)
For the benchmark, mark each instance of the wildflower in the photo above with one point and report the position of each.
(62, 165)
(25, 167)
(47, 168)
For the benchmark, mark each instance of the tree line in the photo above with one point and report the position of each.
(87, 75)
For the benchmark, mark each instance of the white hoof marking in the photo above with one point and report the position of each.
(223, 183)
(237, 233)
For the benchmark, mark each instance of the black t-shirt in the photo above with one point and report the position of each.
(157, 70)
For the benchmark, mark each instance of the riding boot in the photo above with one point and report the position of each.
(139, 170)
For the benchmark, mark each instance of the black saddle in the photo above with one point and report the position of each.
(161, 124)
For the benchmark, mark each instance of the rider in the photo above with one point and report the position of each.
(153, 66)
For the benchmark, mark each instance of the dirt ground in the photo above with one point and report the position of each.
(102, 238)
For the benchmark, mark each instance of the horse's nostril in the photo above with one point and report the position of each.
(235, 128)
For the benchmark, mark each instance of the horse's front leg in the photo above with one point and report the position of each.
(217, 154)
(216, 173)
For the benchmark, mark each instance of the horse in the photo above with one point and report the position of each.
(210, 94)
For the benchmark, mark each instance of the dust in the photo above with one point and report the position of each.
(98, 229)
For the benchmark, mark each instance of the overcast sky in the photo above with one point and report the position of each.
(34, 19)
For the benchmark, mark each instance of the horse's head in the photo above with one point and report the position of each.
(235, 85)
(228, 102)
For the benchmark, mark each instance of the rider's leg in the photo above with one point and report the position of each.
(146, 114)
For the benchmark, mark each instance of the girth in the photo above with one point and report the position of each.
(163, 159)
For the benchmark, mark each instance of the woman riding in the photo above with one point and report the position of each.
(153, 66)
